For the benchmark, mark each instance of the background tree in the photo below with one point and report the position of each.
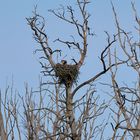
(66, 108)
(127, 95)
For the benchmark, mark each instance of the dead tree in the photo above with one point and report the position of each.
(66, 125)
(55, 111)
(3, 134)
(126, 121)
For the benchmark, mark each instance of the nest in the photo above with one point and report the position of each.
(67, 74)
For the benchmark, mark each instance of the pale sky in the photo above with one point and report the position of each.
(17, 45)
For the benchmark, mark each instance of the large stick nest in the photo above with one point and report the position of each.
(67, 74)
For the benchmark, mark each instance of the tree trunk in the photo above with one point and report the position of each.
(136, 133)
(2, 131)
(70, 114)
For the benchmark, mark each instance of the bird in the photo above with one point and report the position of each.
(63, 62)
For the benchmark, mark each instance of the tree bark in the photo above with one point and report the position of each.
(70, 114)
(2, 131)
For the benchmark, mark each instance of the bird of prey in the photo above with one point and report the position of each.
(63, 62)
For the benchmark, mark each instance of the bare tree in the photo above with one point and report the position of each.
(126, 120)
(2, 129)
(55, 111)
(66, 124)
